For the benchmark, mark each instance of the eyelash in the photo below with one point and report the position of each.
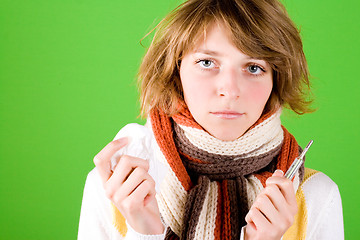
(246, 68)
(202, 60)
(258, 66)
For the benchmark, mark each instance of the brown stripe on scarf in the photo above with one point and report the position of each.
(193, 207)
(234, 209)
(242, 203)
(170, 235)
(217, 166)
(224, 170)
(188, 148)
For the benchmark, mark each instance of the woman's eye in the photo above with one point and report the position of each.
(206, 63)
(255, 69)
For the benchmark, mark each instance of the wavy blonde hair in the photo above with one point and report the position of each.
(261, 29)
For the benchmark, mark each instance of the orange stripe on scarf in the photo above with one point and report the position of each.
(162, 128)
(226, 232)
(185, 118)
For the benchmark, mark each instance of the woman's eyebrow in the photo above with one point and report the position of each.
(208, 52)
(215, 53)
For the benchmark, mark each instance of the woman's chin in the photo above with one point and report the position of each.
(227, 135)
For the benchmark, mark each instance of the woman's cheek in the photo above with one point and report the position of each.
(260, 94)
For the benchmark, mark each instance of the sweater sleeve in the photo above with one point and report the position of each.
(324, 208)
(96, 216)
(133, 235)
(330, 223)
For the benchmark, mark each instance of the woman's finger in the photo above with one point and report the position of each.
(250, 229)
(257, 218)
(138, 199)
(276, 197)
(264, 204)
(125, 166)
(145, 191)
(285, 186)
(137, 176)
(102, 160)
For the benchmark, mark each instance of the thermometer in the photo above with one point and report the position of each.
(297, 163)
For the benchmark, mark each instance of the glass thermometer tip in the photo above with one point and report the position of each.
(305, 150)
(297, 162)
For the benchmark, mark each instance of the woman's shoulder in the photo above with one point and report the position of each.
(317, 183)
(317, 189)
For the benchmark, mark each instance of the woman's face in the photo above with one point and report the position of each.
(224, 89)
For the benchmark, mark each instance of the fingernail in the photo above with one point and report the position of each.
(123, 140)
(279, 171)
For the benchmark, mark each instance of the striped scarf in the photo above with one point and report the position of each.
(211, 184)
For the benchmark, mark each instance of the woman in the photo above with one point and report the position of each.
(209, 163)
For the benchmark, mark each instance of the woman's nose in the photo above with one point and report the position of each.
(230, 84)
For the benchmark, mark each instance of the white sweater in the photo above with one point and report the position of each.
(321, 212)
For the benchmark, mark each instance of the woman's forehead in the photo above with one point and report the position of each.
(200, 37)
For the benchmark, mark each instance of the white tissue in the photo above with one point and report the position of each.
(141, 144)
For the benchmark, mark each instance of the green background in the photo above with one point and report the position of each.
(67, 71)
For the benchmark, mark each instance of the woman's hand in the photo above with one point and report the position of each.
(130, 188)
(273, 210)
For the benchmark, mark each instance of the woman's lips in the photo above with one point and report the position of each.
(227, 114)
